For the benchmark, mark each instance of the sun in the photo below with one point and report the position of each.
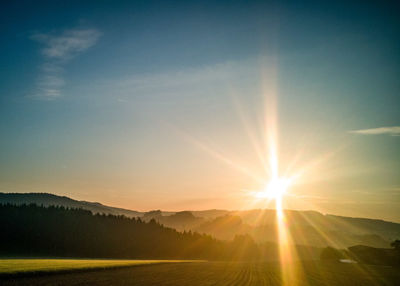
(276, 188)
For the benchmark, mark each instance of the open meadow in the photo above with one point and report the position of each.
(219, 273)
(15, 267)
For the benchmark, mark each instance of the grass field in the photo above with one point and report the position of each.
(16, 266)
(221, 274)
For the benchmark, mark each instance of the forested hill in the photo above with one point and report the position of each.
(46, 199)
(307, 227)
(30, 230)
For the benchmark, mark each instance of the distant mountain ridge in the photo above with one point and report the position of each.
(47, 199)
(306, 227)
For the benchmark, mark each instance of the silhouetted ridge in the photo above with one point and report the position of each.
(47, 199)
(30, 230)
(57, 231)
(306, 227)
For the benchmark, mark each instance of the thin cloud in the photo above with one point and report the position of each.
(67, 45)
(182, 82)
(173, 80)
(393, 131)
(57, 51)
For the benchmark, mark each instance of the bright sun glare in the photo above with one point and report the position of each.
(275, 189)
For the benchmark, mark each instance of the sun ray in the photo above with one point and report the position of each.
(275, 184)
(218, 155)
(247, 126)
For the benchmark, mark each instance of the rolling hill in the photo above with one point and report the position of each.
(306, 227)
(46, 199)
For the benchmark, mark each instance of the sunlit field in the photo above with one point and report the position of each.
(221, 273)
(25, 266)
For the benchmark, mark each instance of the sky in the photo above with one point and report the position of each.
(169, 104)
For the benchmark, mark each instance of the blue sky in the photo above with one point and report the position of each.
(110, 101)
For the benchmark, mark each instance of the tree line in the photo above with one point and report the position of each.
(32, 230)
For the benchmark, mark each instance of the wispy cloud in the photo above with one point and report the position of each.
(187, 82)
(59, 49)
(179, 79)
(393, 131)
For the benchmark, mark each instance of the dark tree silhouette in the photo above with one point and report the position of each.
(31, 230)
(54, 231)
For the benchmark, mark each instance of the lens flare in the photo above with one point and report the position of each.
(274, 181)
(275, 189)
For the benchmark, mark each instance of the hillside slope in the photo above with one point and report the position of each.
(46, 199)
(306, 227)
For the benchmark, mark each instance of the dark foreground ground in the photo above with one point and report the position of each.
(219, 273)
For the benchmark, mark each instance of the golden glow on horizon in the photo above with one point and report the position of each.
(275, 181)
